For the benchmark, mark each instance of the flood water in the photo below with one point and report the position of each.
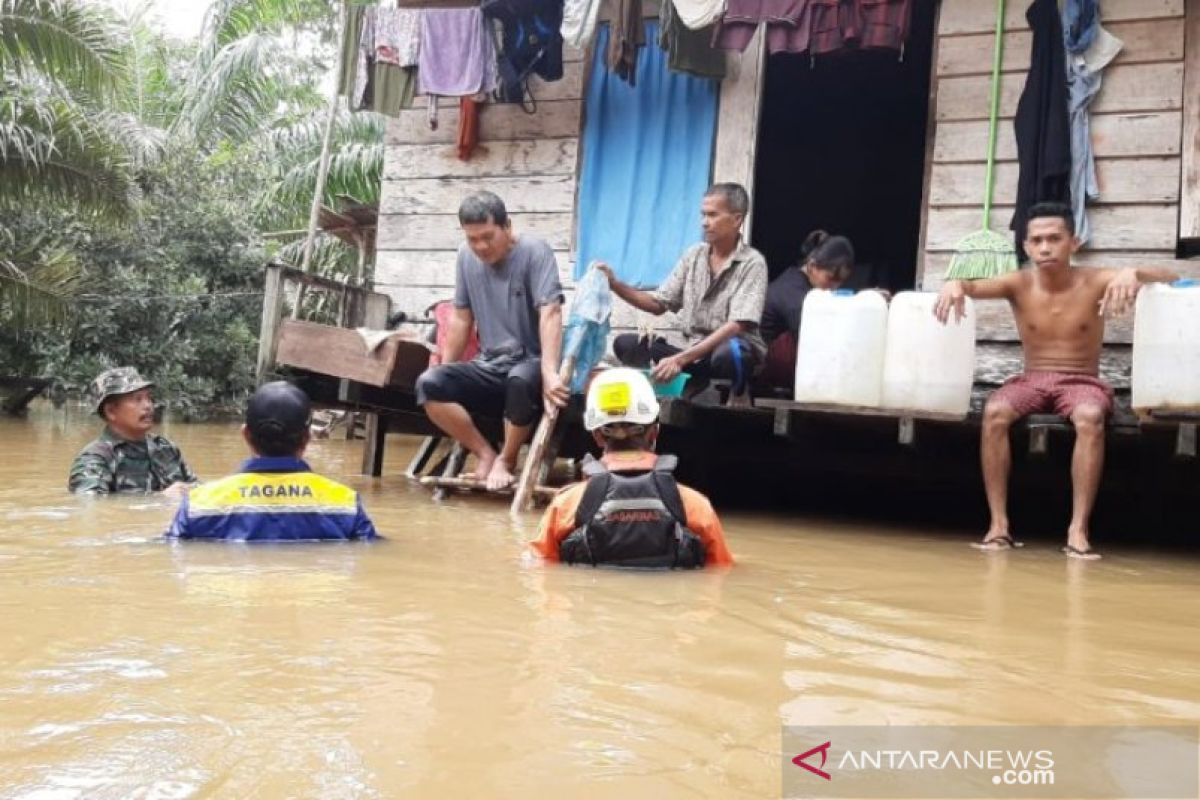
(447, 663)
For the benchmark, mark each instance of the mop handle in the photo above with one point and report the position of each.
(997, 58)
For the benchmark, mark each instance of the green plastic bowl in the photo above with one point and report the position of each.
(672, 388)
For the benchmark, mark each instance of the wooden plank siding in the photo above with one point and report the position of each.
(530, 160)
(1189, 216)
(1137, 121)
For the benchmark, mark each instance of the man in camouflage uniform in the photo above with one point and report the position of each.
(127, 457)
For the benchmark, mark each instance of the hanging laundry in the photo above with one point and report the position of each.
(1042, 123)
(348, 60)
(457, 56)
(883, 24)
(468, 127)
(393, 79)
(627, 35)
(1081, 23)
(531, 39)
(579, 21)
(398, 36)
(364, 79)
(833, 26)
(697, 14)
(1083, 35)
(788, 25)
(689, 51)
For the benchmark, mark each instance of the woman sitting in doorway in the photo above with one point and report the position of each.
(825, 263)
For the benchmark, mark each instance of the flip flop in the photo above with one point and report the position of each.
(997, 544)
(1086, 555)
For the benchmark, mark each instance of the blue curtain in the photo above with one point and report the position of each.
(647, 156)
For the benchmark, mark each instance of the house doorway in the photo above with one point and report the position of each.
(841, 147)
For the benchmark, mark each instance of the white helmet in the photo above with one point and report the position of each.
(620, 395)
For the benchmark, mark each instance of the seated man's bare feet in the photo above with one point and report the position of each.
(500, 477)
(484, 464)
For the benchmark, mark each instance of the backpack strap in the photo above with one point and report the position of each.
(593, 498)
(668, 492)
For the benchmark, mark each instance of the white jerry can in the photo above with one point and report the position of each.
(927, 366)
(1166, 347)
(839, 357)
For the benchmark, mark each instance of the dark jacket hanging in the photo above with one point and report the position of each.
(1042, 123)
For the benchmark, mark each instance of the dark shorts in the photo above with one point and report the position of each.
(1054, 393)
(512, 388)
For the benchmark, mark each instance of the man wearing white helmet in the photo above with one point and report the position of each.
(630, 512)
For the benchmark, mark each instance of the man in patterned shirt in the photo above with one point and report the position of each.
(718, 289)
(127, 457)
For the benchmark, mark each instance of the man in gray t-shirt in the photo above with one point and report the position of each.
(508, 288)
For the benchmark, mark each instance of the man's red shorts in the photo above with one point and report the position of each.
(1054, 392)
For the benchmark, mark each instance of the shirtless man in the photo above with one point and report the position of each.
(1060, 311)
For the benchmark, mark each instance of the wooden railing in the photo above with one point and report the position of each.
(347, 306)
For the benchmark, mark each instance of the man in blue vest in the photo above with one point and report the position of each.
(275, 496)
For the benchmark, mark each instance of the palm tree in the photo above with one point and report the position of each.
(60, 62)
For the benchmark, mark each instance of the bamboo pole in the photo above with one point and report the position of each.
(314, 212)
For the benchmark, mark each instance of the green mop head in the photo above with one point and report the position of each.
(982, 254)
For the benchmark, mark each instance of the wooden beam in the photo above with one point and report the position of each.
(979, 16)
(442, 231)
(524, 193)
(1114, 135)
(1189, 212)
(490, 160)
(268, 331)
(1114, 228)
(1134, 87)
(1144, 41)
(555, 119)
(740, 106)
(1136, 180)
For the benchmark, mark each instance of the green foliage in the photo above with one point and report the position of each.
(136, 174)
(79, 46)
(141, 307)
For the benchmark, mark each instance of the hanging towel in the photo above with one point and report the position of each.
(457, 56)
(697, 14)
(627, 36)
(688, 51)
(1042, 123)
(579, 21)
(397, 36)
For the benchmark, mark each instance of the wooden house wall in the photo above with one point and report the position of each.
(1137, 120)
(527, 159)
(530, 160)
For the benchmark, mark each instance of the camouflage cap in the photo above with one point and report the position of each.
(112, 382)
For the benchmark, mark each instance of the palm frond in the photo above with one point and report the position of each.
(53, 150)
(75, 44)
(233, 95)
(37, 283)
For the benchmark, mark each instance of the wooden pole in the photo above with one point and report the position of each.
(523, 495)
(314, 212)
(268, 333)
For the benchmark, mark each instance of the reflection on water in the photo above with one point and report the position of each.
(445, 662)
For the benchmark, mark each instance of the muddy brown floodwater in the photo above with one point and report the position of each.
(447, 663)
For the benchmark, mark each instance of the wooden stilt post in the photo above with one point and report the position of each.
(268, 333)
